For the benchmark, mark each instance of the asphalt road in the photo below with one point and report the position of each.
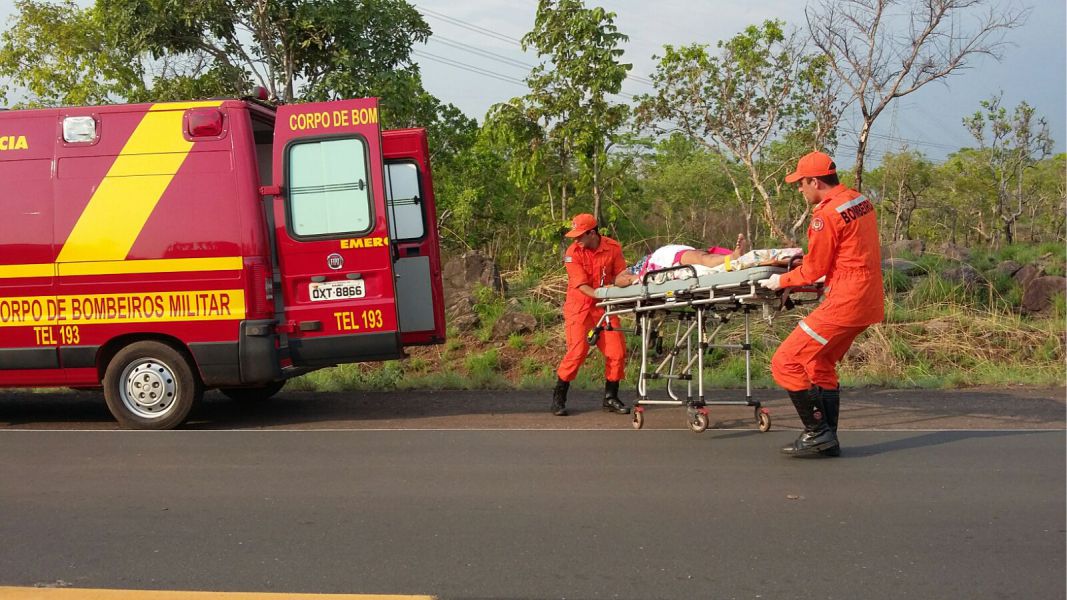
(411, 494)
(984, 408)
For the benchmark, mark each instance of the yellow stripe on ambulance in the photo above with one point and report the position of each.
(132, 307)
(126, 197)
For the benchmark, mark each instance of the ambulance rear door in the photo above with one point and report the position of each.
(332, 235)
(413, 232)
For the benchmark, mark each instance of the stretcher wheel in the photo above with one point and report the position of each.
(699, 422)
(763, 417)
(639, 417)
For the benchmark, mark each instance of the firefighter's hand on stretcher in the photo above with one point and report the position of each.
(774, 282)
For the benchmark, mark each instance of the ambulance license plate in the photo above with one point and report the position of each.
(337, 290)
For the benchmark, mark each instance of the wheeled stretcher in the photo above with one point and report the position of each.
(674, 309)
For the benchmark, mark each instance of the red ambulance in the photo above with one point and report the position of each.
(158, 250)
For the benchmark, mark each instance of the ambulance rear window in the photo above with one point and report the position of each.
(406, 220)
(329, 192)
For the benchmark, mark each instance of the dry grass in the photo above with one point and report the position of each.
(934, 336)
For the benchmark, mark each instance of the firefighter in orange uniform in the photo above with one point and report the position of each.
(843, 246)
(592, 261)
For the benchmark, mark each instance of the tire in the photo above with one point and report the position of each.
(151, 385)
(639, 418)
(763, 418)
(255, 393)
(699, 422)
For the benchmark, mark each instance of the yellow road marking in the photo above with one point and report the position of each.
(29, 593)
(126, 197)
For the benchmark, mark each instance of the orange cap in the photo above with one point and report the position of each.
(814, 164)
(581, 224)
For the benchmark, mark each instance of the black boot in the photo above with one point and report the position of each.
(831, 401)
(611, 398)
(817, 434)
(559, 398)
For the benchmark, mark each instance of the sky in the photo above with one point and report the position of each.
(474, 60)
(1034, 67)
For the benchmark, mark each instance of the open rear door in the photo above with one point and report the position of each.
(413, 231)
(332, 235)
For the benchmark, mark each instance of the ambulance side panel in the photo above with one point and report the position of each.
(156, 234)
(27, 276)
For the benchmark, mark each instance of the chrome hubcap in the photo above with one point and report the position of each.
(149, 388)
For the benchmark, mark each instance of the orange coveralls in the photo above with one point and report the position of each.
(594, 268)
(842, 245)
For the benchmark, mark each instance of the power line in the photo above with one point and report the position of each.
(480, 71)
(472, 27)
(470, 68)
(894, 138)
(499, 36)
(483, 53)
(520, 64)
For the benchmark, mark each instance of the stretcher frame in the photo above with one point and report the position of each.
(693, 304)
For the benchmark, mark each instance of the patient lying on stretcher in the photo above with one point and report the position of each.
(713, 260)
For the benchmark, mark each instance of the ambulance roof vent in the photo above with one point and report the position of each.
(79, 129)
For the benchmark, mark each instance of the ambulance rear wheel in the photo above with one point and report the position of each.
(252, 394)
(150, 385)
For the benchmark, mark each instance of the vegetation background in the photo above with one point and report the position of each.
(695, 161)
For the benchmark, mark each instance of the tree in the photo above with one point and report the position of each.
(299, 50)
(310, 49)
(900, 184)
(1048, 203)
(1010, 147)
(688, 195)
(963, 213)
(569, 93)
(138, 50)
(58, 53)
(879, 63)
(735, 104)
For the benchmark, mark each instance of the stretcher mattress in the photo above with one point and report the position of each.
(721, 282)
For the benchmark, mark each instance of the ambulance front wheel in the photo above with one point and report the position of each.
(151, 385)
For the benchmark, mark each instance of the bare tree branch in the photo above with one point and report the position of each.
(878, 63)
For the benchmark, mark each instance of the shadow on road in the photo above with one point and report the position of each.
(973, 409)
(933, 438)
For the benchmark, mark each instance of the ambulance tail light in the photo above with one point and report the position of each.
(203, 123)
(261, 292)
